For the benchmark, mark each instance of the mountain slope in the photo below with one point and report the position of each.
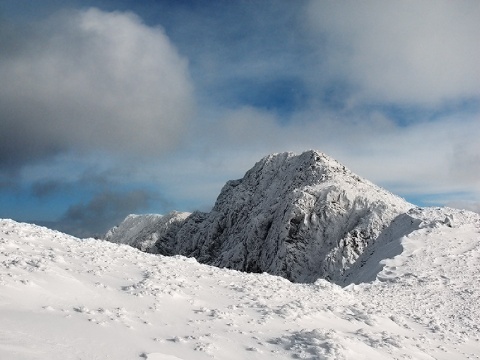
(302, 217)
(65, 298)
(144, 231)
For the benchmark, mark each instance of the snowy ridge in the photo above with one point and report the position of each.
(62, 298)
(392, 242)
(302, 217)
(437, 268)
(143, 231)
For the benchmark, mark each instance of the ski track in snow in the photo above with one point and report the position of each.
(65, 298)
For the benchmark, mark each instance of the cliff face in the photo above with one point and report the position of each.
(302, 217)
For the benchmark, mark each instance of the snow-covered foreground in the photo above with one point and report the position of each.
(65, 298)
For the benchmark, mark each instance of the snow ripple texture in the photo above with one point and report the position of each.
(302, 217)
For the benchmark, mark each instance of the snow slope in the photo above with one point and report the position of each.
(65, 298)
(302, 217)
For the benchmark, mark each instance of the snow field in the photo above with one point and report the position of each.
(65, 298)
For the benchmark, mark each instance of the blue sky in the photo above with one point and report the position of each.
(116, 107)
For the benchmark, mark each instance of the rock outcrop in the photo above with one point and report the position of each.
(302, 217)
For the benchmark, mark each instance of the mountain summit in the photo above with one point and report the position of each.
(302, 217)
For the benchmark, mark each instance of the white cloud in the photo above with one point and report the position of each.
(93, 80)
(471, 205)
(436, 157)
(419, 52)
(424, 158)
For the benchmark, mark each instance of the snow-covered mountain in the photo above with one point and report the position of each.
(302, 217)
(144, 231)
(62, 298)
(410, 277)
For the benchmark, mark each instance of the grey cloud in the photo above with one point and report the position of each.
(466, 157)
(91, 80)
(109, 193)
(42, 189)
(58, 177)
(103, 211)
(400, 51)
(470, 205)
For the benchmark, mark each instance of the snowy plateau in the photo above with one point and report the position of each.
(404, 282)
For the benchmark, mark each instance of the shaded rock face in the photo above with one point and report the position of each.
(302, 217)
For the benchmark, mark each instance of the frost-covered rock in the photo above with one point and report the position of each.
(143, 231)
(302, 217)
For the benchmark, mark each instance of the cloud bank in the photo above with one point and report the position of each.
(404, 52)
(91, 80)
(104, 210)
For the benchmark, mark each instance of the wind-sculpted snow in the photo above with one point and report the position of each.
(302, 217)
(63, 298)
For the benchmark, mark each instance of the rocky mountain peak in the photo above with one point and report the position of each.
(302, 217)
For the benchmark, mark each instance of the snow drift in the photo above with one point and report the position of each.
(302, 217)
